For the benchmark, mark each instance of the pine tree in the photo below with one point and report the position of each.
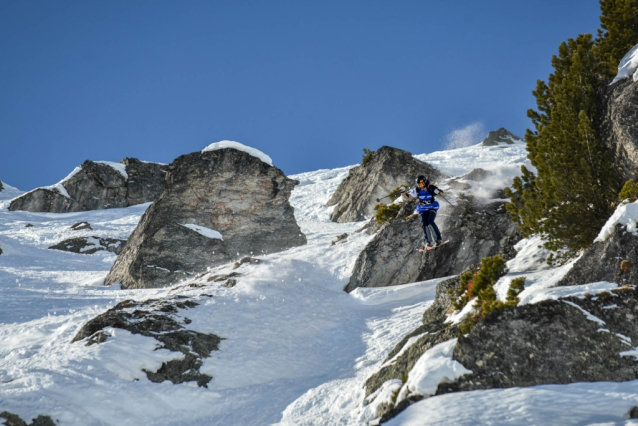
(570, 197)
(618, 33)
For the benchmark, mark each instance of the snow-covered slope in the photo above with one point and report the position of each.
(297, 349)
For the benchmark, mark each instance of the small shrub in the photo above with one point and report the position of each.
(367, 156)
(480, 285)
(629, 191)
(396, 192)
(385, 213)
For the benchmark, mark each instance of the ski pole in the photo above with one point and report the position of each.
(379, 199)
(439, 195)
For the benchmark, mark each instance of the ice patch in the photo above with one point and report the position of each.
(202, 230)
(241, 147)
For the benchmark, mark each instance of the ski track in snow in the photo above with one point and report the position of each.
(297, 349)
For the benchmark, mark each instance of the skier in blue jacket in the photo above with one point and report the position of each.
(426, 207)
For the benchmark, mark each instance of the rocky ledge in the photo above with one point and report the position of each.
(218, 206)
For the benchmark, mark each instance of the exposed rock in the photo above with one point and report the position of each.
(90, 245)
(1, 186)
(81, 226)
(475, 230)
(95, 186)
(500, 136)
(0, 251)
(29, 225)
(633, 413)
(618, 106)
(225, 191)
(11, 419)
(44, 200)
(158, 319)
(145, 180)
(602, 261)
(341, 237)
(552, 342)
(477, 175)
(356, 196)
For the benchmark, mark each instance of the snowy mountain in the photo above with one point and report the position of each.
(295, 348)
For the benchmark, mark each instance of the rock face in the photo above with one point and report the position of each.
(90, 245)
(619, 108)
(95, 186)
(356, 196)
(552, 342)
(475, 230)
(500, 136)
(162, 321)
(1, 186)
(11, 419)
(225, 191)
(602, 261)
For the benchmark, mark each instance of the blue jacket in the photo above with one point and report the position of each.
(425, 198)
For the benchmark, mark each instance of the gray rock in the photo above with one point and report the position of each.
(551, 342)
(633, 413)
(90, 245)
(159, 319)
(618, 106)
(475, 230)
(602, 261)
(81, 226)
(97, 186)
(11, 419)
(477, 175)
(1, 186)
(44, 200)
(145, 180)
(228, 191)
(356, 196)
(29, 225)
(500, 136)
(0, 251)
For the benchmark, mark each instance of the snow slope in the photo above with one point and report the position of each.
(297, 349)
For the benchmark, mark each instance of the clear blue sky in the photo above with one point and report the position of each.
(309, 83)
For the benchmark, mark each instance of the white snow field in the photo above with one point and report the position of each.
(297, 349)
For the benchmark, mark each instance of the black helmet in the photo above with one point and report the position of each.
(421, 178)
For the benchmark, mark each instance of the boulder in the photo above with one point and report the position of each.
(218, 206)
(90, 245)
(618, 106)
(96, 186)
(500, 136)
(11, 419)
(475, 230)
(388, 168)
(613, 260)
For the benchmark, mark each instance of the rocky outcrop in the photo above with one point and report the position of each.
(1, 186)
(95, 186)
(218, 206)
(11, 419)
(500, 136)
(388, 168)
(161, 320)
(475, 230)
(613, 260)
(618, 106)
(552, 342)
(90, 245)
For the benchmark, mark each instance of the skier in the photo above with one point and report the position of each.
(426, 207)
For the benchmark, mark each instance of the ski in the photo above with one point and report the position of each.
(435, 247)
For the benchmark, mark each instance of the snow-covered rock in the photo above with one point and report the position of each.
(500, 136)
(628, 66)
(219, 192)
